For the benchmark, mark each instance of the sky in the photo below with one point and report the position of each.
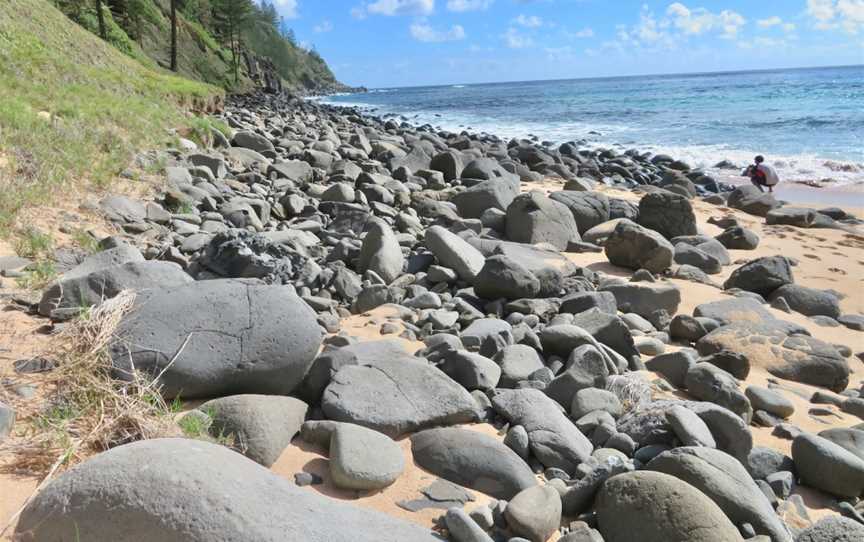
(397, 43)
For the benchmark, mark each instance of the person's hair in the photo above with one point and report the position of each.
(760, 159)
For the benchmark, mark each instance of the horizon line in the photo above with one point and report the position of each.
(633, 76)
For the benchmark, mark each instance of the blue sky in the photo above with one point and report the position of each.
(388, 43)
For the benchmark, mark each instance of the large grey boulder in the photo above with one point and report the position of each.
(548, 265)
(799, 358)
(486, 168)
(76, 292)
(799, 217)
(671, 215)
(744, 309)
(710, 383)
(586, 367)
(609, 329)
(492, 194)
(849, 438)
(738, 238)
(534, 218)
(827, 466)
(473, 460)
(472, 371)
(363, 459)
(261, 426)
(503, 277)
(329, 362)
(589, 208)
(832, 529)
(657, 302)
(449, 163)
(251, 140)
(218, 337)
(487, 336)
(762, 276)
(726, 482)
(751, 200)
(635, 247)
(454, 252)
(381, 252)
(660, 508)
(808, 301)
(535, 513)
(518, 362)
(181, 490)
(554, 440)
(396, 396)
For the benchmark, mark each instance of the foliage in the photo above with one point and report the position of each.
(72, 110)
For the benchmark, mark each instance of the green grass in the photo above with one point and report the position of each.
(103, 106)
(32, 243)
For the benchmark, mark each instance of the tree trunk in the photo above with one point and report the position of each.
(174, 35)
(103, 33)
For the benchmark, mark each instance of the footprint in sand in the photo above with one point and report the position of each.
(838, 270)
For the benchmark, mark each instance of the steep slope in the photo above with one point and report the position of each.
(74, 108)
(201, 55)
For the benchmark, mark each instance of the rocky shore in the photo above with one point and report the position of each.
(473, 339)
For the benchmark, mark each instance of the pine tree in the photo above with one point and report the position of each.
(100, 16)
(231, 18)
(174, 35)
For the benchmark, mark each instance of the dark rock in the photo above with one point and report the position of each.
(762, 276)
(533, 218)
(473, 460)
(635, 247)
(669, 214)
(218, 337)
(827, 466)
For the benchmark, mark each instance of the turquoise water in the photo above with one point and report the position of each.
(808, 122)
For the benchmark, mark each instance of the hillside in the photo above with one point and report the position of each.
(142, 29)
(74, 109)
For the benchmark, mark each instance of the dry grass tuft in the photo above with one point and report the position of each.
(632, 391)
(86, 410)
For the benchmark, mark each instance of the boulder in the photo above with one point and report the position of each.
(487, 336)
(657, 302)
(396, 396)
(533, 218)
(799, 358)
(709, 383)
(689, 427)
(738, 238)
(661, 508)
(518, 362)
(726, 482)
(601, 232)
(492, 194)
(671, 215)
(832, 529)
(381, 252)
(472, 459)
(218, 337)
(454, 252)
(534, 513)
(635, 247)
(827, 466)
(449, 163)
(609, 329)
(76, 292)
(503, 277)
(363, 459)
(586, 368)
(849, 438)
(555, 441)
(751, 200)
(770, 401)
(762, 276)
(261, 426)
(799, 217)
(582, 301)
(194, 491)
(589, 208)
(251, 140)
(472, 371)
(330, 361)
(808, 301)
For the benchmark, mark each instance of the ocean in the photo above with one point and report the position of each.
(809, 123)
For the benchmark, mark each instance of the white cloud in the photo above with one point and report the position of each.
(287, 8)
(323, 26)
(528, 21)
(468, 5)
(700, 21)
(515, 40)
(401, 7)
(585, 33)
(830, 14)
(770, 21)
(425, 33)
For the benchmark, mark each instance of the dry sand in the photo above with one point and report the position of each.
(827, 259)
